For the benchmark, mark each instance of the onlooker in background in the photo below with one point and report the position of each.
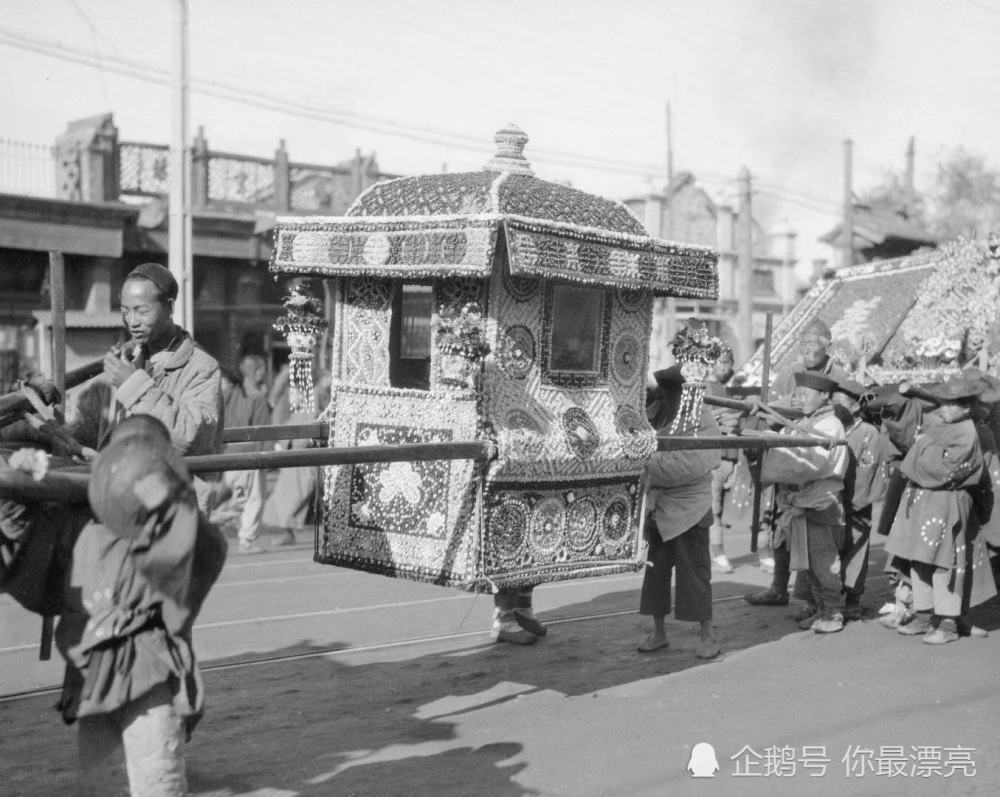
(253, 369)
(277, 396)
(247, 499)
(722, 476)
(289, 504)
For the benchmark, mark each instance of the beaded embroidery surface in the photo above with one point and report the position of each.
(513, 359)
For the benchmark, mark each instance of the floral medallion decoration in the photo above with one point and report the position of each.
(517, 352)
(581, 525)
(582, 435)
(548, 526)
(509, 526)
(626, 358)
(462, 343)
(696, 351)
(632, 428)
(406, 498)
(302, 325)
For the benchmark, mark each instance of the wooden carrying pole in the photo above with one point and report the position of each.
(18, 402)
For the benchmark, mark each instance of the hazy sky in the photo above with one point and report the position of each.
(774, 85)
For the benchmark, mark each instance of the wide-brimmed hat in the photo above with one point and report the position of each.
(851, 387)
(991, 386)
(669, 378)
(815, 381)
(955, 389)
(818, 328)
(133, 479)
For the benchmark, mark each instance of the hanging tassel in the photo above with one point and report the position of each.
(301, 390)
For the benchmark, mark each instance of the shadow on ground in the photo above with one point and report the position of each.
(363, 725)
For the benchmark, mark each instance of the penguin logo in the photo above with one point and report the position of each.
(703, 763)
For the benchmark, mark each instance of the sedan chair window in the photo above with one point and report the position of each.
(576, 336)
(410, 337)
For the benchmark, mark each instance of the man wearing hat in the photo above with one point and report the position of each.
(864, 485)
(137, 580)
(810, 526)
(934, 531)
(127, 589)
(161, 371)
(814, 356)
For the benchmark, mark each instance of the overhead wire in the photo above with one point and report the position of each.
(435, 136)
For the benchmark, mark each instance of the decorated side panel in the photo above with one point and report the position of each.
(364, 319)
(417, 520)
(561, 530)
(565, 388)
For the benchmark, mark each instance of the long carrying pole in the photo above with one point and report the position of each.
(765, 379)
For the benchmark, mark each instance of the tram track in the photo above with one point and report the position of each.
(333, 652)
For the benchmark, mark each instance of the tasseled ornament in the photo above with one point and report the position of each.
(697, 351)
(692, 398)
(301, 391)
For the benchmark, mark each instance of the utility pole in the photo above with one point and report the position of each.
(179, 257)
(847, 258)
(744, 295)
(670, 148)
(667, 228)
(910, 186)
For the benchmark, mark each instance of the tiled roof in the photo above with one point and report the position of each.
(874, 226)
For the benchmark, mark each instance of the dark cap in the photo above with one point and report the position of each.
(955, 389)
(851, 387)
(817, 327)
(815, 381)
(991, 387)
(159, 275)
(132, 479)
(669, 378)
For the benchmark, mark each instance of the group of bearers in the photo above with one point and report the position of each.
(916, 463)
(919, 465)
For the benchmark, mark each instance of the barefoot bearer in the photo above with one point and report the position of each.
(679, 514)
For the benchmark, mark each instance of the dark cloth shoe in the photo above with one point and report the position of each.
(518, 637)
(767, 597)
(528, 621)
(808, 611)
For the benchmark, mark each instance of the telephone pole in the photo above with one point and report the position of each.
(744, 295)
(179, 210)
(847, 258)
